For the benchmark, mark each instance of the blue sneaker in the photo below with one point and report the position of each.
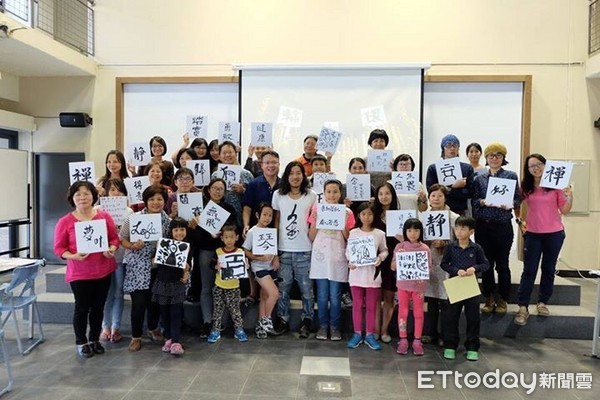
(214, 336)
(372, 342)
(354, 341)
(240, 335)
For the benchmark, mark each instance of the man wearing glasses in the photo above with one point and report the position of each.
(461, 190)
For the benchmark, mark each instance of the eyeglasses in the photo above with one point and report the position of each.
(217, 188)
(185, 179)
(495, 155)
(537, 165)
(451, 146)
(405, 164)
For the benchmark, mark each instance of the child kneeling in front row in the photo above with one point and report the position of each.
(463, 258)
(226, 293)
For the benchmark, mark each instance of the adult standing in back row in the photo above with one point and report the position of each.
(494, 230)
(461, 190)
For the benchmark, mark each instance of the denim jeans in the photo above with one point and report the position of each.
(113, 308)
(496, 240)
(207, 276)
(329, 301)
(295, 265)
(544, 246)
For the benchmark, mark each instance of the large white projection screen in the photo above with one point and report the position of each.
(355, 100)
(160, 109)
(482, 112)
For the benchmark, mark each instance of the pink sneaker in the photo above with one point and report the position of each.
(177, 349)
(402, 346)
(417, 347)
(167, 346)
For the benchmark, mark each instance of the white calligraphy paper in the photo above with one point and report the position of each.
(329, 140)
(412, 265)
(557, 174)
(436, 225)
(91, 236)
(319, 179)
(229, 131)
(138, 153)
(405, 182)
(358, 187)
(379, 160)
(230, 173)
(145, 227)
(395, 219)
(172, 252)
(261, 134)
(264, 241)
(448, 171)
(196, 126)
(135, 188)
(189, 205)
(500, 192)
(373, 116)
(331, 216)
(82, 171)
(362, 251)
(233, 265)
(201, 170)
(116, 206)
(290, 117)
(213, 217)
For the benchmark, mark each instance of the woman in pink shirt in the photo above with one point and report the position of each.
(543, 233)
(88, 274)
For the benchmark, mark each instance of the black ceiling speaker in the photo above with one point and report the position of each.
(74, 120)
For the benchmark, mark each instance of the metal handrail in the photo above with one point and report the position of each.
(70, 22)
(594, 28)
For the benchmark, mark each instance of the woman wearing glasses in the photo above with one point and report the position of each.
(494, 230)
(184, 181)
(206, 245)
(544, 235)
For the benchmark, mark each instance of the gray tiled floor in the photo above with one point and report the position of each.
(270, 369)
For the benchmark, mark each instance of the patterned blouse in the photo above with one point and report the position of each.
(139, 262)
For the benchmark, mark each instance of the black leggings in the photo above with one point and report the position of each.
(141, 304)
(171, 316)
(90, 296)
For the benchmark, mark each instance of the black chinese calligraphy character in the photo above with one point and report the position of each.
(435, 223)
(447, 171)
(555, 173)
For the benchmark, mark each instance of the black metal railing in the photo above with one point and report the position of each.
(70, 22)
(594, 28)
(17, 8)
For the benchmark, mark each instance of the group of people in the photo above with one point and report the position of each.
(312, 256)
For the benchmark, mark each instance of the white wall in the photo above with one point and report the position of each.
(543, 38)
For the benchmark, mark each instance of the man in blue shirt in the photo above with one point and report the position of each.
(261, 188)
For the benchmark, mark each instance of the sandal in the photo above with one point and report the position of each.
(116, 336)
(105, 336)
(542, 310)
(156, 335)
